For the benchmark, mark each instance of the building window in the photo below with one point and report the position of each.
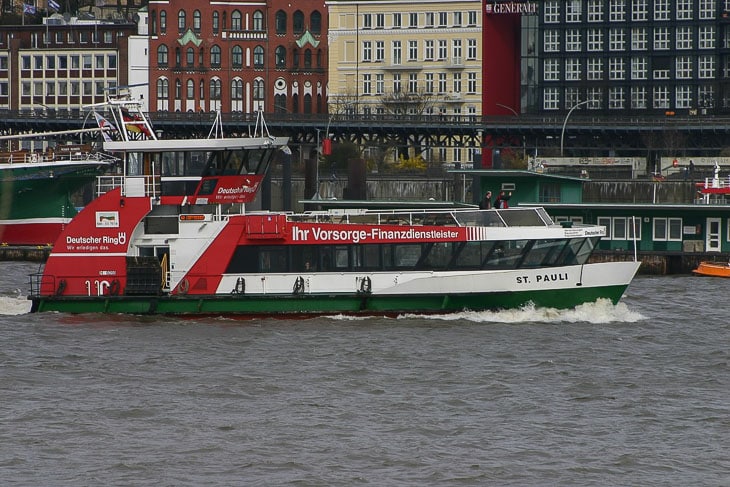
(551, 41)
(379, 84)
(367, 51)
(196, 21)
(367, 21)
(617, 40)
(190, 57)
(706, 67)
(190, 89)
(572, 40)
(162, 54)
(456, 51)
(428, 50)
(442, 50)
(216, 22)
(413, 82)
(684, 38)
(471, 82)
(379, 51)
(639, 68)
(258, 20)
(684, 9)
(551, 70)
(551, 99)
(237, 89)
(163, 89)
(616, 99)
(639, 10)
(457, 83)
(413, 50)
(215, 57)
(638, 98)
(367, 84)
(237, 57)
(683, 97)
(430, 19)
(396, 53)
(236, 20)
(457, 19)
(397, 20)
(595, 10)
(429, 83)
(707, 9)
(380, 21)
(443, 19)
(707, 37)
(316, 23)
(163, 22)
(572, 69)
(617, 10)
(639, 41)
(280, 57)
(661, 9)
(471, 50)
(413, 20)
(572, 11)
(215, 89)
(442, 83)
(396, 83)
(661, 97)
(661, 38)
(258, 57)
(595, 40)
(181, 20)
(683, 67)
(178, 89)
(595, 69)
(667, 229)
(472, 14)
(551, 12)
(280, 20)
(616, 69)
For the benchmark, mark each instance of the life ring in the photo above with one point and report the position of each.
(114, 288)
(298, 285)
(366, 285)
(183, 287)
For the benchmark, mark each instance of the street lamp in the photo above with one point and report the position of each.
(565, 122)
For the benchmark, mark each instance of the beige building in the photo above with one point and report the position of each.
(399, 57)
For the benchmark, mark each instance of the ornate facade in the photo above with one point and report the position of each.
(238, 56)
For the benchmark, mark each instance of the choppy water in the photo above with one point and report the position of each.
(636, 394)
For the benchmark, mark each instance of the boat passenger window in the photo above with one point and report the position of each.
(341, 259)
(368, 256)
(436, 256)
(134, 164)
(472, 254)
(405, 256)
(544, 253)
(272, 259)
(507, 254)
(581, 248)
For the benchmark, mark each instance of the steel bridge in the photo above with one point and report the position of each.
(581, 135)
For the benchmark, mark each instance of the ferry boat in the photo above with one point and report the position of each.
(36, 189)
(172, 235)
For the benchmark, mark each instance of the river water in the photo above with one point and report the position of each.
(637, 394)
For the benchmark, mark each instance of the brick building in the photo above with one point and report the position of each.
(238, 56)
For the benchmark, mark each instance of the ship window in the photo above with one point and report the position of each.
(272, 259)
(437, 256)
(507, 254)
(544, 253)
(472, 254)
(244, 260)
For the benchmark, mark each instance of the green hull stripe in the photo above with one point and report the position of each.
(309, 304)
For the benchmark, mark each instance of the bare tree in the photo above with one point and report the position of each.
(407, 103)
(342, 104)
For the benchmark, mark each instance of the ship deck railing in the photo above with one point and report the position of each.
(515, 217)
(131, 185)
(31, 157)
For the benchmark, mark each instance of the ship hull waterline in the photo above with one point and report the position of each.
(328, 304)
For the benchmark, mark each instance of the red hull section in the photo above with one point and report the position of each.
(91, 251)
(40, 233)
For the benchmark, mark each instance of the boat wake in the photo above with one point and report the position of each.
(14, 305)
(598, 312)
